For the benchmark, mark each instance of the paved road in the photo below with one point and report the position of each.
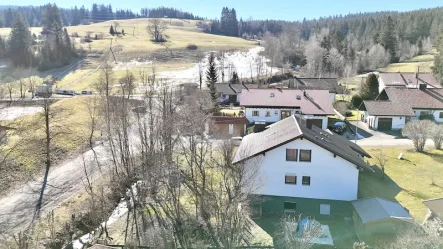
(377, 138)
(17, 208)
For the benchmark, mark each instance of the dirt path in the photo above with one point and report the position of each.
(18, 207)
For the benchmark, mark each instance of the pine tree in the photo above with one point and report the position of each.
(235, 79)
(369, 89)
(437, 69)
(20, 40)
(211, 78)
(111, 31)
(387, 37)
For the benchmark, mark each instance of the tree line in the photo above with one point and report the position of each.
(161, 12)
(53, 48)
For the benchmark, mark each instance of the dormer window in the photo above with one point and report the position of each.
(272, 95)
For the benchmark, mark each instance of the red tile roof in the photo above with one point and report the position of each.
(315, 102)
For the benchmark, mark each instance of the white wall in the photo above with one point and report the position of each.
(397, 122)
(331, 178)
(381, 85)
(332, 97)
(436, 114)
(275, 115)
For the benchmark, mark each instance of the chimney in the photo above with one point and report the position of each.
(304, 93)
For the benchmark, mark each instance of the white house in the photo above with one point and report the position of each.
(395, 106)
(329, 84)
(272, 105)
(407, 80)
(302, 162)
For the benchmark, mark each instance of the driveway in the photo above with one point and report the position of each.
(378, 138)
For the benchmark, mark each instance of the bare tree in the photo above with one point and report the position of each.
(291, 237)
(437, 135)
(156, 28)
(221, 56)
(105, 81)
(10, 88)
(201, 68)
(418, 131)
(127, 83)
(382, 159)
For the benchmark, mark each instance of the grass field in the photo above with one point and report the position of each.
(410, 181)
(69, 128)
(136, 46)
(425, 63)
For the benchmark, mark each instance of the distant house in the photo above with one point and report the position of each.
(272, 105)
(395, 106)
(376, 216)
(314, 167)
(407, 80)
(229, 126)
(329, 84)
(231, 93)
(435, 207)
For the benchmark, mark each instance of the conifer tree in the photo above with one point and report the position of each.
(437, 69)
(211, 79)
(20, 40)
(111, 31)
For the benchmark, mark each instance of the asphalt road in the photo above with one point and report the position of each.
(18, 207)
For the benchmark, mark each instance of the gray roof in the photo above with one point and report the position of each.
(329, 84)
(405, 79)
(376, 209)
(436, 206)
(224, 88)
(290, 129)
(386, 108)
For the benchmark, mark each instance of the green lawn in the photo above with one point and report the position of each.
(425, 63)
(410, 181)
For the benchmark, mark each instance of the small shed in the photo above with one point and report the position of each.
(376, 216)
(229, 126)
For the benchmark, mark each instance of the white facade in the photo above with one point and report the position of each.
(397, 122)
(436, 114)
(273, 115)
(331, 178)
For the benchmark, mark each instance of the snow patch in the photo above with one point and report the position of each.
(13, 112)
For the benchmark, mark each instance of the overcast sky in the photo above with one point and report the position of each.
(258, 9)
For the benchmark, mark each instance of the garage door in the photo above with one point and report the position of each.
(316, 122)
(385, 124)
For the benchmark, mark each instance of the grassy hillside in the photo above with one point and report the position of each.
(136, 50)
(425, 63)
(410, 181)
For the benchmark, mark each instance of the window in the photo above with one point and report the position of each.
(424, 113)
(255, 113)
(268, 114)
(276, 112)
(305, 155)
(291, 155)
(290, 206)
(306, 180)
(440, 115)
(291, 180)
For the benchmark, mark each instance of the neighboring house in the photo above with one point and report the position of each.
(435, 207)
(230, 126)
(395, 106)
(272, 105)
(231, 93)
(307, 164)
(376, 216)
(329, 84)
(407, 80)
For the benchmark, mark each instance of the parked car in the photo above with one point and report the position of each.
(339, 127)
(86, 92)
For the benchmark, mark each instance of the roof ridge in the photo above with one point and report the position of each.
(378, 201)
(298, 126)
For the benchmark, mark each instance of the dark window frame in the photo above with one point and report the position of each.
(303, 181)
(258, 113)
(304, 160)
(292, 205)
(440, 115)
(296, 155)
(291, 183)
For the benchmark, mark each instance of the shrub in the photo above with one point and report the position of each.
(418, 131)
(356, 100)
(191, 47)
(348, 114)
(437, 135)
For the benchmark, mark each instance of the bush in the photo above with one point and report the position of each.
(348, 114)
(191, 47)
(356, 100)
(418, 131)
(427, 117)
